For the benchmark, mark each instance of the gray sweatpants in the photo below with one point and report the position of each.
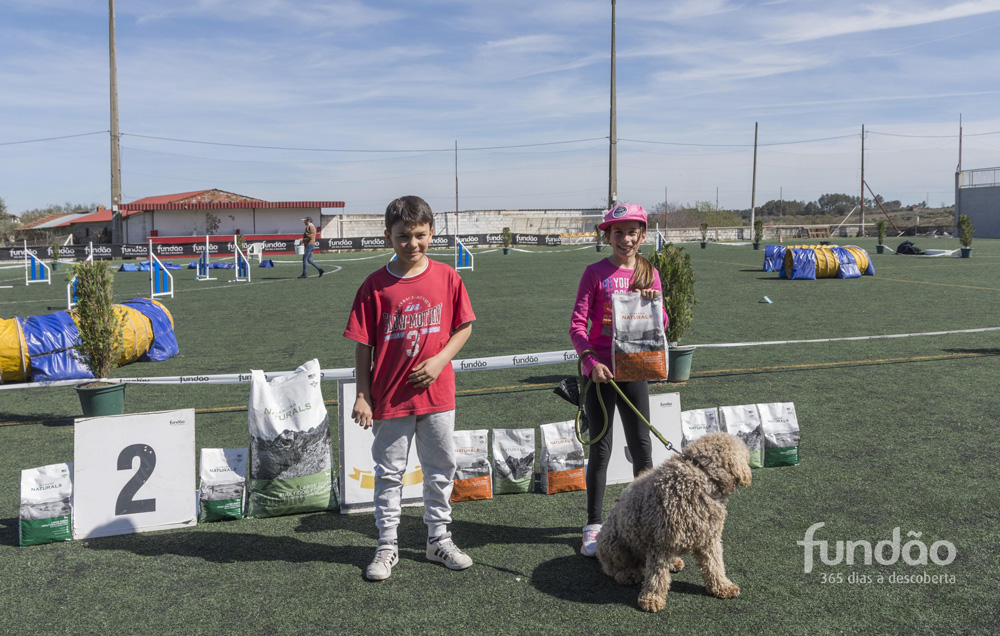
(433, 433)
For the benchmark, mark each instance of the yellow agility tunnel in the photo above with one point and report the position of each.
(40, 348)
(826, 261)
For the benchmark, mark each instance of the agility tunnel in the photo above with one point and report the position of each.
(40, 348)
(821, 261)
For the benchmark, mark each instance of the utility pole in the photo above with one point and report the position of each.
(861, 231)
(116, 168)
(753, 188)
(613, 150)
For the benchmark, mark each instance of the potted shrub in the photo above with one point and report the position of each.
(704, 234)
(677, 276)
(55, 254)
(880, 226)
(758, 233)
(965, 232)
(507, 239)
(600, 238)
(99, 344)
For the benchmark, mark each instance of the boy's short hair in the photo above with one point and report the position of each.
(411, 210)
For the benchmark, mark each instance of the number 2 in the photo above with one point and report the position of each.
(126, 505)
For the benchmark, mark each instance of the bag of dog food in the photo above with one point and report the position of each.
(744, 422)
(473, 479)
(513, 460)
(562, 458)
(291, 464)
(46, 504)
(781, 434)
(223, 473)
(639, 346)
(698, 422)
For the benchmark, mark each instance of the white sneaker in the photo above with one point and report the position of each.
(381, 566)
(445, 551)
(590, 532)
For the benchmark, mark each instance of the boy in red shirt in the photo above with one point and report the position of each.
(409, 319)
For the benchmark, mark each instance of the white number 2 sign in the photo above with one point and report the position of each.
(133, 473)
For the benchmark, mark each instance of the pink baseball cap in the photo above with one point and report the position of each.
(625, 212)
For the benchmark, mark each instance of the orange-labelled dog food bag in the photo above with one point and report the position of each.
(473, 478)
(562, 458)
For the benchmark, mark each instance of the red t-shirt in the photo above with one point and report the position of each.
(406, 321)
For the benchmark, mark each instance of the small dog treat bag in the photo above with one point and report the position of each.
(291, 463)
(223, 473)
(698, 422)
(744, 422)
(781, 434)
(513, 460)
(639, 346)
(562, 459)
(46, 504)
(473, 479)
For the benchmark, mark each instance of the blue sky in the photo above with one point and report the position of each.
(364, 101)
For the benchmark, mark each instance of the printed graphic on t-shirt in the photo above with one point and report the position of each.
(608, 288)
(412, 320)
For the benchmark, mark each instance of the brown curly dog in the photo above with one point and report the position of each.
(677, 508)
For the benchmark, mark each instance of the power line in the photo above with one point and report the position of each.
(358, 150)
(32, 141)
(995, 132)
(774, 143)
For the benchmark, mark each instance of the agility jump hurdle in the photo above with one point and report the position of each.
(35, 271)
(161, 281)
(71, 296)
(660, 240)
(463, 257)
(242, 264)
(204, 263)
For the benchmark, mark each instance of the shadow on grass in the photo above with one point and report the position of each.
(17, 419)
(9, 531)
(246, 546)
(555, 578)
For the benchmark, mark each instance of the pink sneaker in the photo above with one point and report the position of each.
(590, 532)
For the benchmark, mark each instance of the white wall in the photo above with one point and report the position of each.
(193, 222)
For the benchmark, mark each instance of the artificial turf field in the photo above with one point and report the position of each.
(896, 433)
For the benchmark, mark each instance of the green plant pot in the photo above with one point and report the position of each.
(680, 363)
(704, 244)
(880, 249)
(600, 247)
(966, 252)
(102, 400)
(506, 251)
(756, 246)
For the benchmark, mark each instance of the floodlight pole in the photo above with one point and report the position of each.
(613, 149)
(456, 188)
(116, 169)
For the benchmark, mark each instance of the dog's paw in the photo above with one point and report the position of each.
(651, 603)
(677, 565)
(725, 590)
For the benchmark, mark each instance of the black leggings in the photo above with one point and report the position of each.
(636, 437)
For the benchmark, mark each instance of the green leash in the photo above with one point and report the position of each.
(604, 409)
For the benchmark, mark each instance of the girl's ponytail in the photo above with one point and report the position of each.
(642, 277)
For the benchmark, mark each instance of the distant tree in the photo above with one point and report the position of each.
(838, 204)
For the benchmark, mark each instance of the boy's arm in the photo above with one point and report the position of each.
(362, 412)
(426, 371)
